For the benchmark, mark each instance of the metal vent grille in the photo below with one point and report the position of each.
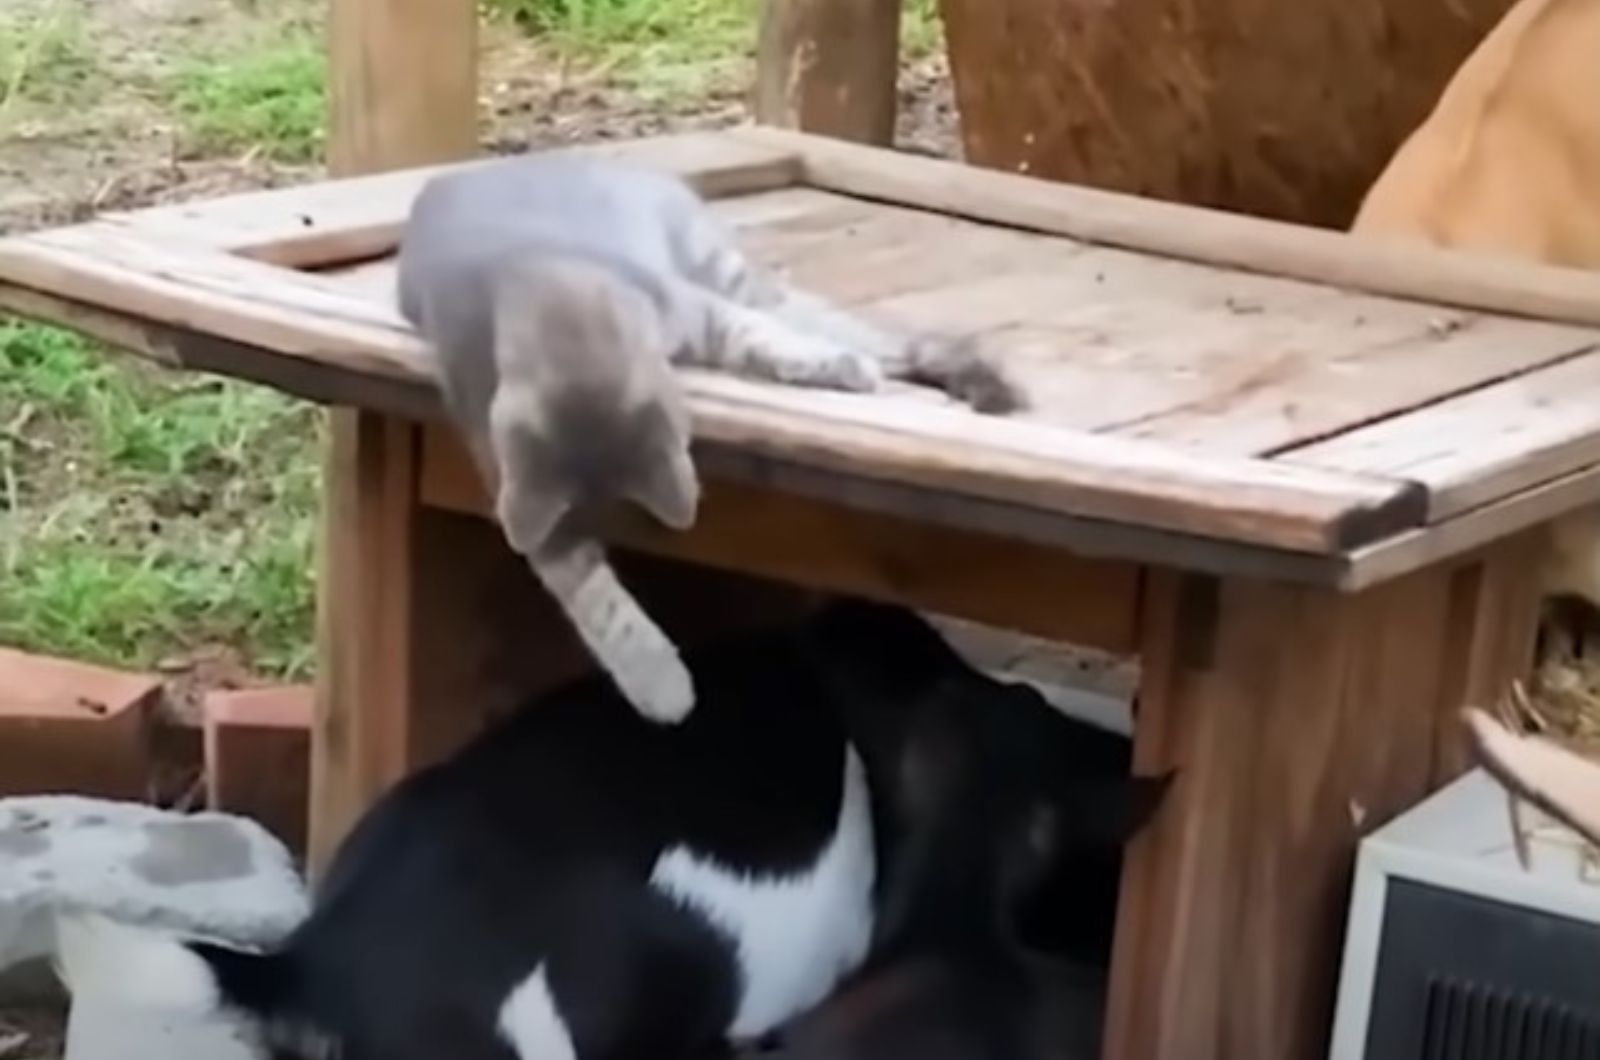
(1470, 1021)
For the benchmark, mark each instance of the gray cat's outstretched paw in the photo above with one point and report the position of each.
(955, 366)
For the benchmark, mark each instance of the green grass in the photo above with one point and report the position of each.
(143, 513)
(673, 47)
(147, 514)
(46, 57)
(268, 96)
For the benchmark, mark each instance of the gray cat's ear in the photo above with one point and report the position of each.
(669, 489)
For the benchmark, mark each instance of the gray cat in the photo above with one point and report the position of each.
(557, 294)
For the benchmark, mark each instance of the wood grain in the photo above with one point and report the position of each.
(1481, 446)
(996, 458)
(403, 85)
(1371, 565)
(1286, 110)
(383, 119)
(362, 739)
(741, 527)
(829, 67)
(1112, 341)
(355, 217)
(1192, 233)
(1298, 721)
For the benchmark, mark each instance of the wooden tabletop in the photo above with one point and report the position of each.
(1195, 377)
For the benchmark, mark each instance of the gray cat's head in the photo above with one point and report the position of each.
(586, 389)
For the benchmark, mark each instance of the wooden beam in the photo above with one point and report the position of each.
(754, 530)
(403, 93)
(830, 67)
(356, 218)
(1297, 721)
(403, 83)
(363, 681)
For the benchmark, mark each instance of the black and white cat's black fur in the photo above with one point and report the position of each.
(557, 293)
(579, 884)
(1006, 811)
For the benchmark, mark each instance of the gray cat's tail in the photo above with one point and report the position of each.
(640, 658)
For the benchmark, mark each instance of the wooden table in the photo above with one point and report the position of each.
(1301, 477)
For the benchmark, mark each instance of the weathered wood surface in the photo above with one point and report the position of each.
(1188, 233)
(403, 87)
(1175, 387)
(350, 219)
(1298, 721)
(835, 548)
(829, 67)
(1286, 109)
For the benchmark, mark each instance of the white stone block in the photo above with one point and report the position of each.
(209, 874)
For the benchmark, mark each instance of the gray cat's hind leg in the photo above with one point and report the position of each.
(759, 345)
(948, 363)
(622, 638)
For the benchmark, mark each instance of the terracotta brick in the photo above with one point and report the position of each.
(258, 757)
(72, 728)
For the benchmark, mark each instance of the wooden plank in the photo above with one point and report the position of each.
(351, 218)
(403, 79)
(362, 738)
(1470, 531)
(1193, 234)
(996, 458)
(829, 67)
(745, 528)
(215, 293)
(1481, 446)
(1117, 342)
(417, 400)
(381, 120)
(1297, 721)
(1297, 398)
(1072, 472)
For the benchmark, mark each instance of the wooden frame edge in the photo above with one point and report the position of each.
(1212, 237)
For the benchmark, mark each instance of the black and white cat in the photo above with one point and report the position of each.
(1005, 811)
(557, 293)
(581, 884)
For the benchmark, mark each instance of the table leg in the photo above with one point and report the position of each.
(1298, 720)
(429, 624)
(425, 620)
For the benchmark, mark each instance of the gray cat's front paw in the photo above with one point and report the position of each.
(664, 695)
(955, 366)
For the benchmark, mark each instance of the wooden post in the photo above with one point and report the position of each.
(1298, 720)
(403, 92)
(830, 67)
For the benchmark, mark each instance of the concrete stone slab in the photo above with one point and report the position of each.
(208, 875)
